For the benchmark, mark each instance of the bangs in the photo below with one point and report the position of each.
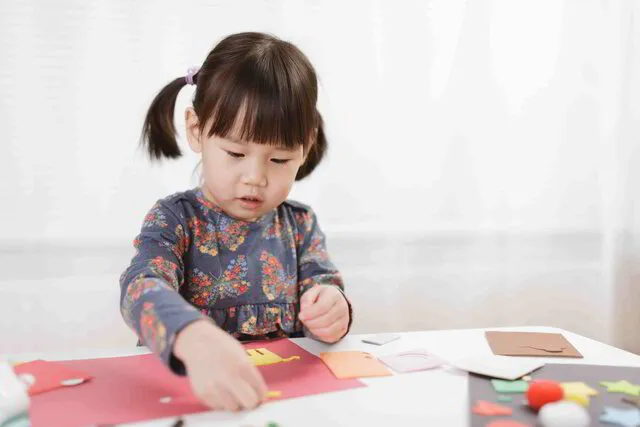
(266, 98)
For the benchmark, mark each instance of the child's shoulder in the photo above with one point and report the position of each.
(176, 202)
(301, 214)
(176, 198)
(296, 206)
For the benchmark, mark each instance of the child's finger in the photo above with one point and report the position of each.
(245, 395)
(212, 399)
(228, 400)
(255, 380)
(319, 308)
(310, 296)
(326, 319)
(335, 330)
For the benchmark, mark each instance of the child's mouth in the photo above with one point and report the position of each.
(250, 202)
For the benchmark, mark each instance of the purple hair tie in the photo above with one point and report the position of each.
(190, 73)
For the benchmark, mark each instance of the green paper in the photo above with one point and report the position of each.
(502, 386)
(621, 387)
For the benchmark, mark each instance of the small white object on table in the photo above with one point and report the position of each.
(437, 397)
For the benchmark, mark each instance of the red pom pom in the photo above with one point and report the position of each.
(541, 392)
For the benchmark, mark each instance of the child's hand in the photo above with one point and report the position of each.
(325, 312)
(219, 369)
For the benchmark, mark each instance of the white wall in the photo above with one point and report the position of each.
(491, 143)
(461, 116)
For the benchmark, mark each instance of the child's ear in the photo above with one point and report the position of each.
(310, 146)
(193, 130)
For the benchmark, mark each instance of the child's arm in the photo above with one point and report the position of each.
(219, 372)
(149, 302)
(324, 305)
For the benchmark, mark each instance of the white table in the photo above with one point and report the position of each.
(430, 398)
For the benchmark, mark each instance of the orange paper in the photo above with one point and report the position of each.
(354, 364)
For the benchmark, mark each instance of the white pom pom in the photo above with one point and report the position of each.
(563, 414)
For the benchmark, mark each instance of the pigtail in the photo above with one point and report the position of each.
(316, 151)
(159, 132)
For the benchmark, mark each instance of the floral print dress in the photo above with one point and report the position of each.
(192, 260)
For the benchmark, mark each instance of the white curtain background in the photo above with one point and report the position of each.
(482, 170)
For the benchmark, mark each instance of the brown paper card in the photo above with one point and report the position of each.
(632, 400)
(530, 344)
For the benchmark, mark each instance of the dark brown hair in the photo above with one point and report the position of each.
(268, 79)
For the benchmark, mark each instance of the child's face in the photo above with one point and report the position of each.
(245, 179)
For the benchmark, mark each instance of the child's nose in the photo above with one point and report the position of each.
(256, 174)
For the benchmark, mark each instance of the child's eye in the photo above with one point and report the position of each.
(234, 154)
(280, 161)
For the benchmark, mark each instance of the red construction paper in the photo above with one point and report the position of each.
(48, 375)
(129, 389)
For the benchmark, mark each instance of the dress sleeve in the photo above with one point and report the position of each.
(150, 302)
(314, 264)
